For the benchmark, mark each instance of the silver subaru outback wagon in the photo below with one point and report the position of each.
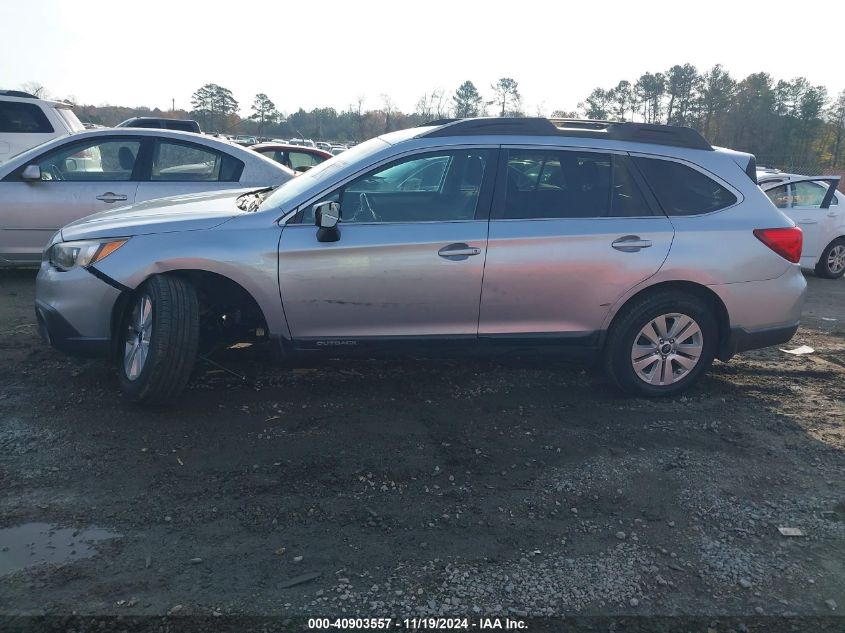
(639, 246)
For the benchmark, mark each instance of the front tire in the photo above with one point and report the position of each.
(661, 344)
(831, 264)
(159, 335)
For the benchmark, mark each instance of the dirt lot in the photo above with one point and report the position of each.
(389, 488)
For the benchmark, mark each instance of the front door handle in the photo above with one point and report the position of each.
(630, 244)
(108, 196)
(458, 251)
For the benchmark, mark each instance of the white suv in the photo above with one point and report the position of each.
(27, 121)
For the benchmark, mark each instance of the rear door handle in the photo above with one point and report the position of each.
(108, 196)
(458, 251)
(630, 244)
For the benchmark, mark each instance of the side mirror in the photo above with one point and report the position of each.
(326, 217)
(31, 172)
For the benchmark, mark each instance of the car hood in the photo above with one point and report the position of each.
(188, 212)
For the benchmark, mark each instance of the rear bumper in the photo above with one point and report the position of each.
(761, 313)
(742, 340)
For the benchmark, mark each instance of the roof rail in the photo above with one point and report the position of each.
(651, 133)
(17, 93)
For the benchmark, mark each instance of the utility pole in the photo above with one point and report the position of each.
(173, 105)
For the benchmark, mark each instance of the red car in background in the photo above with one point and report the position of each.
(295, 157)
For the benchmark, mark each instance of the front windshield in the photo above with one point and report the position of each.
(311, 178)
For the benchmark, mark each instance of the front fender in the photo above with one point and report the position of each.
(247, 256)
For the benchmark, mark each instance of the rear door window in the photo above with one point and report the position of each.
(23, 118)
(304, 159)
(569, 184)
(804, 194)
(808, 194)
(273, 154)
(626, 197)
(186, 162)
(681, 190)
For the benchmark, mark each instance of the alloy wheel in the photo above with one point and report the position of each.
(138, 334)
(666, 349)
(836, 259)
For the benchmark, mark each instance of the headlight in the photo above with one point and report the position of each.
(45, 254)
(66, 255)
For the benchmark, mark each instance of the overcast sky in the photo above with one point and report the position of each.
(313, 53)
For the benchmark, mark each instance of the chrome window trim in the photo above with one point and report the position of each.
(401, 223)
(584, 219)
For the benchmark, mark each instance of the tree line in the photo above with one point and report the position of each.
(786, 123)
(217, 110)
(790, 124)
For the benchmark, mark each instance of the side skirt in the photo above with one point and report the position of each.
(578, 345)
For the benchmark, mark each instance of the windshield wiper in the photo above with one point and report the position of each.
(251, 200)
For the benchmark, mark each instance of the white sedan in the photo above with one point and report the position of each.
(813, 203)
(65, 179)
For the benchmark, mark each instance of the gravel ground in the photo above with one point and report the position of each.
(431, 487)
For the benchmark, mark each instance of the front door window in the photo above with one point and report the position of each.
(93, 161)
(433, 187)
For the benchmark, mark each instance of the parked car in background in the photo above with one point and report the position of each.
(48, 186)
(814, 204)
(162, 123)
(304, 142)
(338, 149)
(326, 147)
(295, 157)
(27, 121)
(638, 245)
(245, 139)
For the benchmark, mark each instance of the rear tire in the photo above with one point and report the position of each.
(159, 335)
(661, 344)
(831, 264)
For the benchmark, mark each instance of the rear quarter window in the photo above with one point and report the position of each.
(71, 120)
(681, 190)
(23, 118)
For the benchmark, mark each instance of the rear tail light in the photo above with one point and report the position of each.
(785, 242)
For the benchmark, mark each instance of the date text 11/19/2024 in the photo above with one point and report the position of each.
(414, 624)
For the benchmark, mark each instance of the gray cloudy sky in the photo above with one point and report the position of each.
(313, 53)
